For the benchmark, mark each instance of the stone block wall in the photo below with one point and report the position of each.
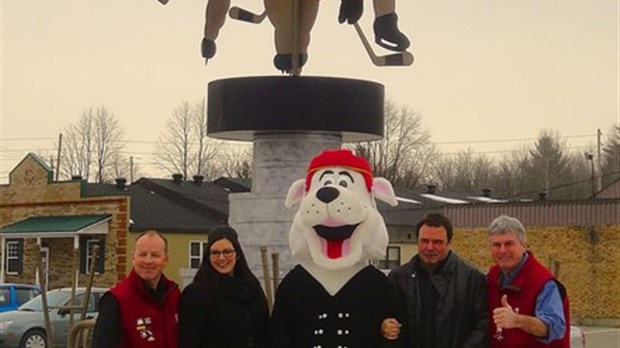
(585, 259)
(30, 181)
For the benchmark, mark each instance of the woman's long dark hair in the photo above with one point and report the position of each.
(208, 279)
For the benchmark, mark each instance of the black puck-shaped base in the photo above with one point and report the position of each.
(239, 108)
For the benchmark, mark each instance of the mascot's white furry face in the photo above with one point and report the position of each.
(337, 224)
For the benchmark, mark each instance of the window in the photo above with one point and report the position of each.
(14, 252)
(79, 301)
(25, 295)
(392, 258)
(5, 296)
(196, 252)
(87, 243)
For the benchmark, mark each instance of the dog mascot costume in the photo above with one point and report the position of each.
(334, 298)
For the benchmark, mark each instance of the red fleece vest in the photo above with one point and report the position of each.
(147, 324)
(522, 295)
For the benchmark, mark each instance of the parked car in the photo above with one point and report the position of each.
(15, 295)
(577, 337)
(25, 327)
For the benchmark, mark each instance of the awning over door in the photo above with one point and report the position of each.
(57, 226)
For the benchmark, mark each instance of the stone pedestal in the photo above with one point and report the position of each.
(260, 215)
(289, 120)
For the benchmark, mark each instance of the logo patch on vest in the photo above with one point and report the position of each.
(143, 326)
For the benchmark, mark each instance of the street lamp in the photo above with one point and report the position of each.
(590, 157)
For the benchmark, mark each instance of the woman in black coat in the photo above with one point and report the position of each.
(225, 305)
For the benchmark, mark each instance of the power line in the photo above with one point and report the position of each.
(26, 139)
(562, 186)
(505, 151)
(509, 140)
(483, 141)
(19, 151)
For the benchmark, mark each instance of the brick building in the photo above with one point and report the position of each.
(55, 220)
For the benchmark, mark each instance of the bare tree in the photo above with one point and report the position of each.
(184, 146)
(403, 155)
(173, 151)
(611, 156)
(78, 146)
(464, 172)
(109, 138)
(581, 179)
(510, 178)
(120, 167)
(207, 148)
(235, 163)
(90, 144)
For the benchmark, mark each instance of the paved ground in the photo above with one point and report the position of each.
(601, 337)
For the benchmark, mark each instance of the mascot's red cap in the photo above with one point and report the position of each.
(340, 158)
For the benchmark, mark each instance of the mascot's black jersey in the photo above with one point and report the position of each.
(306, 315)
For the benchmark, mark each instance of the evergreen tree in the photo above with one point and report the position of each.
(547, 166)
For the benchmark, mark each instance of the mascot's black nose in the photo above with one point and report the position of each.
(327, 194)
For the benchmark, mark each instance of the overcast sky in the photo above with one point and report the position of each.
(484, 70)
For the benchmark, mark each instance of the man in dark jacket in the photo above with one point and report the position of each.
(444, 298)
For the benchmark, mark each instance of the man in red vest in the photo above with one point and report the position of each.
(528, 307)
(141, 311)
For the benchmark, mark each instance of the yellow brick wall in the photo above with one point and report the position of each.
(587, 261)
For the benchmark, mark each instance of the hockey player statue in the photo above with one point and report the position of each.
(292, 41)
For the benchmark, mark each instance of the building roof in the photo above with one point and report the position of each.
(168, 206)
(205, 196)
(234, 184)
(174, 205)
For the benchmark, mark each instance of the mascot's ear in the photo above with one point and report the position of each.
(295, 193)
(382, 190)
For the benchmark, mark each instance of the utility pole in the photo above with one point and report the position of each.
(130, 169)
(58, 156)
(599, 165)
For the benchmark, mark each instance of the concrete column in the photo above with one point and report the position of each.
(260, 216)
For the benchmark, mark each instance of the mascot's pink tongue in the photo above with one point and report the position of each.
(334, 249)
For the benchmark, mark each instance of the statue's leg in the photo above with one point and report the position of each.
(215, 15)
(280, 13)
(309, 11)
(387, 34)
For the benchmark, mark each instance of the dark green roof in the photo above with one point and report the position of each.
(71, 223)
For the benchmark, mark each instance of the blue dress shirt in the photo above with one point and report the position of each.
(549, 306)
